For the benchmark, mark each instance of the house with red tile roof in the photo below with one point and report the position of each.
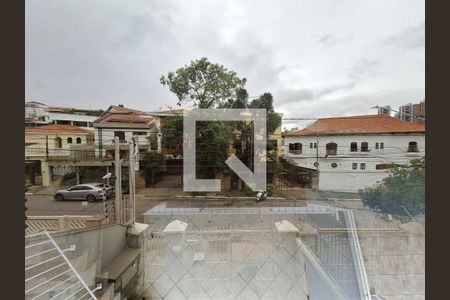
(348, 154)
(50, 141)
(124, 123)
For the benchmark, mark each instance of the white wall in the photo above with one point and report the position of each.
(73, 118)
(343, 177)
(108, 137)
(348, 181)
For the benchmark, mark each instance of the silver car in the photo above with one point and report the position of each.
(85, 191)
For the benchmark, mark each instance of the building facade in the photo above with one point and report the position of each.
(56, 142)
(124, 123)
(37, 114)
(352, 153)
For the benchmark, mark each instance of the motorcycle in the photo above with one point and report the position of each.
(261, 195)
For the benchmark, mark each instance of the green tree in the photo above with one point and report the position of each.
(204, 83)
(151, 166)
(402, 193)
(212, 144)
(172, 135)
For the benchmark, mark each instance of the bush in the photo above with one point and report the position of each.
(151, 166)
(248, 190)
(196, 193)
(270, 189)
(402, 193)
(27, 184)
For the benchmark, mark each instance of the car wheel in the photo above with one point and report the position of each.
(90, 198)
(59, 197)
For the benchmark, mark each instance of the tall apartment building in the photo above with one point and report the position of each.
(413, 112)
(385, 110)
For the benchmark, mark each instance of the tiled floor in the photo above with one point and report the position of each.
(236, 265)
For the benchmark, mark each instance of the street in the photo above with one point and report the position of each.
(45, 205)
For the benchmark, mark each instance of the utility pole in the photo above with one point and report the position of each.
(46, 146)
(132, 179)
(317, 151)
(118, 181)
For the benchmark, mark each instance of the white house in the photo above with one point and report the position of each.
(37, 114)
(125, 123)
(352, 153)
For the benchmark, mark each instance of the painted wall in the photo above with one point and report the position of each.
(39, 148)
(107, 137)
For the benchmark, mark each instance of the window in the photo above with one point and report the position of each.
(383, 166)
(354, 147)
(78, 140)
(69, 140)
(80, 123)
(272, 144)
(376, 145)
(58, 143)
(120, 135)
(362, 166)
(139, 133)
(63, 122)
(315, 145)
(412, 147)
(334, 165)
(295, 148)
(364, 147)
(331, 149)
(310, 145)
(354, 166)
(381, 145)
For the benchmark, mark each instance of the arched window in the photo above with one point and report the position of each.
(354, 147)
(69, 140)
(412, 147)
(331, 149)
(78, 140)
(364, 147)
(295, 148)
(58, 143)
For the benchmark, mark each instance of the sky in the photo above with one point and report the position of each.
(320, 58)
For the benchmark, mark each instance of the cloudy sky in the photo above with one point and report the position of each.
(318, 58)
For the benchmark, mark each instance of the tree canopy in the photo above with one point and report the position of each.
(210, 85)
(204, 83)
(402, 193)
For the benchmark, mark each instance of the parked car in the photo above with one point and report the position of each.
(85, 191)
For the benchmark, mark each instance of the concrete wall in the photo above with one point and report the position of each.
(348, 181)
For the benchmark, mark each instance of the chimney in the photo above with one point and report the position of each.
(121, 105)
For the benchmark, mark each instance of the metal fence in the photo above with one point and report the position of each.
(48, 272)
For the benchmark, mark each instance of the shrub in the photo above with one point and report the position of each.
(248, 190)
(196, 193)
(270, 189)
(151, 166)
(402, 193)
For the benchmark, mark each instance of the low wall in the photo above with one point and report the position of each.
(349, 181)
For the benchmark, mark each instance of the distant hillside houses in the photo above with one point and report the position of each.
(37, 114)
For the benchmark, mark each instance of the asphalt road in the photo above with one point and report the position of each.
(45, 205)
